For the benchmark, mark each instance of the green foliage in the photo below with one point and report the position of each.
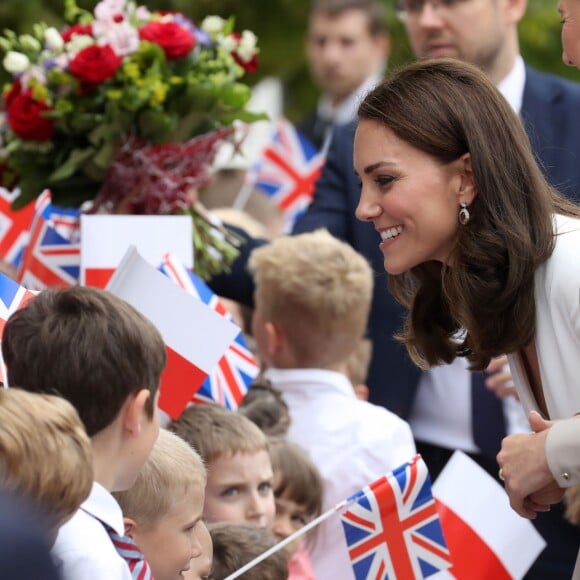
(280, 26)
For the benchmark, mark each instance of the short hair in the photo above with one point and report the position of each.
(318, 289)
(357, 364)
(171, 470)
(296, 476)
(234, 545)
(87, 346)
(375, 11)
(214, 431)
(447, 108)
(265, 406)
(45, 453)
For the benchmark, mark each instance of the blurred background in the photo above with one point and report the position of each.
(280, 26)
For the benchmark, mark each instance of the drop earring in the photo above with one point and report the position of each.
(464, 214)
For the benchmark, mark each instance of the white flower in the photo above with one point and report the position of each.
(247, 46)
(213, 25)
(109, 10)
(228, 43)
(53, 39)
(35, 73)
(78, 42)
(16, 62)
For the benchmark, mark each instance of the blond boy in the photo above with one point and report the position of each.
(239, 471)
(45, 454)
(106, 359)
(163, 510)
(312, 301)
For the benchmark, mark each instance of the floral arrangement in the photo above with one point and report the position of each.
(124, 109)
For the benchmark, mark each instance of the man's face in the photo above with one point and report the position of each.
(475, 31)
(342, 53)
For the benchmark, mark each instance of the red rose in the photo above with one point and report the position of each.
(175, 40)
(25, 117)
(95, 64)
(14, 91)
(250, 66)
(68, 33)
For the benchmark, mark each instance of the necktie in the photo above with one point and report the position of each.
(129, 551)
(488, 422)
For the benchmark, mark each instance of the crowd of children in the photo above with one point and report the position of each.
(117, 497)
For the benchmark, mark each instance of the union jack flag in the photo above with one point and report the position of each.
(12, 297)
(50, 259)
(393, 529)
(14, 227)
(288, 170)
(227, 384)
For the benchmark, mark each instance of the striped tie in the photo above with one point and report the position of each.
(129, 551)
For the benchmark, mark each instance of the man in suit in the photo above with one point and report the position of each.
(347, 46)
(437, 403)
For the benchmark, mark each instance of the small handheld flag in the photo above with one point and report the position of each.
(230, 379)
(393, 529)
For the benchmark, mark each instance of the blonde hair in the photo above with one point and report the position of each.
(357, 364)
(318, 289)
(45, 453)
(215, 431)
(168, 475)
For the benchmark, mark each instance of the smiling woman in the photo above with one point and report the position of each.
(482, 251)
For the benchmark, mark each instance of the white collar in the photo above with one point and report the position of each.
(102, 506)
(512, 86)
(295, 379)
(346, 110)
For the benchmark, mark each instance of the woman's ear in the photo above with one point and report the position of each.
(467, 190)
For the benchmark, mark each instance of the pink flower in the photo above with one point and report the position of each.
(122, 37)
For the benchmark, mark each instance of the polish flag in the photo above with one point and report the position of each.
(486, 538)
(195, 336)
(106, 238)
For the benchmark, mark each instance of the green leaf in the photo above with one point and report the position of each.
(72, 164)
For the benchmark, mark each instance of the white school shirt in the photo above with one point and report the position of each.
(352, 443)
(83, 547)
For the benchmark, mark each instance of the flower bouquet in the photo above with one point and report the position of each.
(123, 112)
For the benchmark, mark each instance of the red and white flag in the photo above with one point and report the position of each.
(195, 336)
(14, 226)
(486, 538)
(106, 238)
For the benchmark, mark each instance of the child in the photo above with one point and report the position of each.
(239, 471)
(265, 406)
(298, 490)
(162, 511)
(312, 300)
(357, 366)
(45, 454)
(234, 545)
(104, 357)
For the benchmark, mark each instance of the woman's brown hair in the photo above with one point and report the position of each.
(483, 305)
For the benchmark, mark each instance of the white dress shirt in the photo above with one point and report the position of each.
(352, 442)
(84, 548)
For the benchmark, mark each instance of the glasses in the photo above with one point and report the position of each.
(414, 8)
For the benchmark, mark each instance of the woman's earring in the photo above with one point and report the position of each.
(464, 214)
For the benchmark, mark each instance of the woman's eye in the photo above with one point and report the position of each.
(265, 487)
(229, 492)
(384, 180)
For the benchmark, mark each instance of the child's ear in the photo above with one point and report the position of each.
(130, 527)
(275, 337)
(133, 411)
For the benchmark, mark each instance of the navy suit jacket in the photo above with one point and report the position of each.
(551, 114)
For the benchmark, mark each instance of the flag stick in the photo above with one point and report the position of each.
(337, 508)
